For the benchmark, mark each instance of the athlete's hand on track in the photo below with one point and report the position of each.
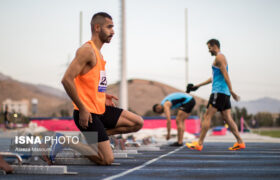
(109, 100)
(235, 96)
(84, 118)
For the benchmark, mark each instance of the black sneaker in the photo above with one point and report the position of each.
(176, 144)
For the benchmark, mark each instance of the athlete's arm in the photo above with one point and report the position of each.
(204, 83)
(84, 56)
(166, 108)
(221, 63)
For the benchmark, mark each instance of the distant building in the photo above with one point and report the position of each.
(17, 106)
(275, 115)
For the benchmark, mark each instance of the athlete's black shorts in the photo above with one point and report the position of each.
(188, 106)
(99, 124)
(219, 101)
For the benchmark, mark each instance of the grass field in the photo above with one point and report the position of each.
(268, 132)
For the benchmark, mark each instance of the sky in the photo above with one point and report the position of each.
(39, 38)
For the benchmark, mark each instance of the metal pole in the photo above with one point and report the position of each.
(186, 43)
(123, 83)
(81, 27)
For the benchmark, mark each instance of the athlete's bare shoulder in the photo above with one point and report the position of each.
(167, 104)
(220, 56)
(220, 60)
(86, 54)
(85, 58)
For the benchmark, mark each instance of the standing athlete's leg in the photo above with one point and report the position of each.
(206, 122)
(180, 122)
(226, 114)
(128, 122)
(205, 125)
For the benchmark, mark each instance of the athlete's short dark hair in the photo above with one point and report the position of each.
(213, 42)
(96, 19)
(155, 108)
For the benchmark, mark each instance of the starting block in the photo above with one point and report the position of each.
(132, 151)
(132, 144)
(9, 154)
(73, 154)
(77, 161)
(144, 148)
(32, 169)
(120, 155)
(2, 172)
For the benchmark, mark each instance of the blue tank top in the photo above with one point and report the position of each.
(177, 99)
(219, 84)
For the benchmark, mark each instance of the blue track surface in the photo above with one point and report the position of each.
(257, 161)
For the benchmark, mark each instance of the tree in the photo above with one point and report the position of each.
(202, 109)
(64, 113)
(278, 120)
(264, 119)
(237, 113)
(150, 113)
(194, 113)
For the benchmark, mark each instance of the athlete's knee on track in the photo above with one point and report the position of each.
(108, 160)
(139, 123)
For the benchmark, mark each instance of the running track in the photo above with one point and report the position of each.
(258, 161)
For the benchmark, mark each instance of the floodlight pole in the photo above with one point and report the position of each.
(187, 47)
(123, 83)
(81, 28)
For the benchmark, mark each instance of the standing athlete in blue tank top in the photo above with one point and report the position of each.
(219, 99)
(185, 104)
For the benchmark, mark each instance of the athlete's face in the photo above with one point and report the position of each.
(159, 109)
(211, 50)
(106, 33)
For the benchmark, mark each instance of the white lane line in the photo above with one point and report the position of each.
(141, 166)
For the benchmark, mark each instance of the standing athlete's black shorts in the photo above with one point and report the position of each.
(188, 106)
(219, 101)
(99, 124)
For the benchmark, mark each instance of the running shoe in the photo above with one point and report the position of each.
(176, 144)
(194, 145)
(56, 147)
(237, 146)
